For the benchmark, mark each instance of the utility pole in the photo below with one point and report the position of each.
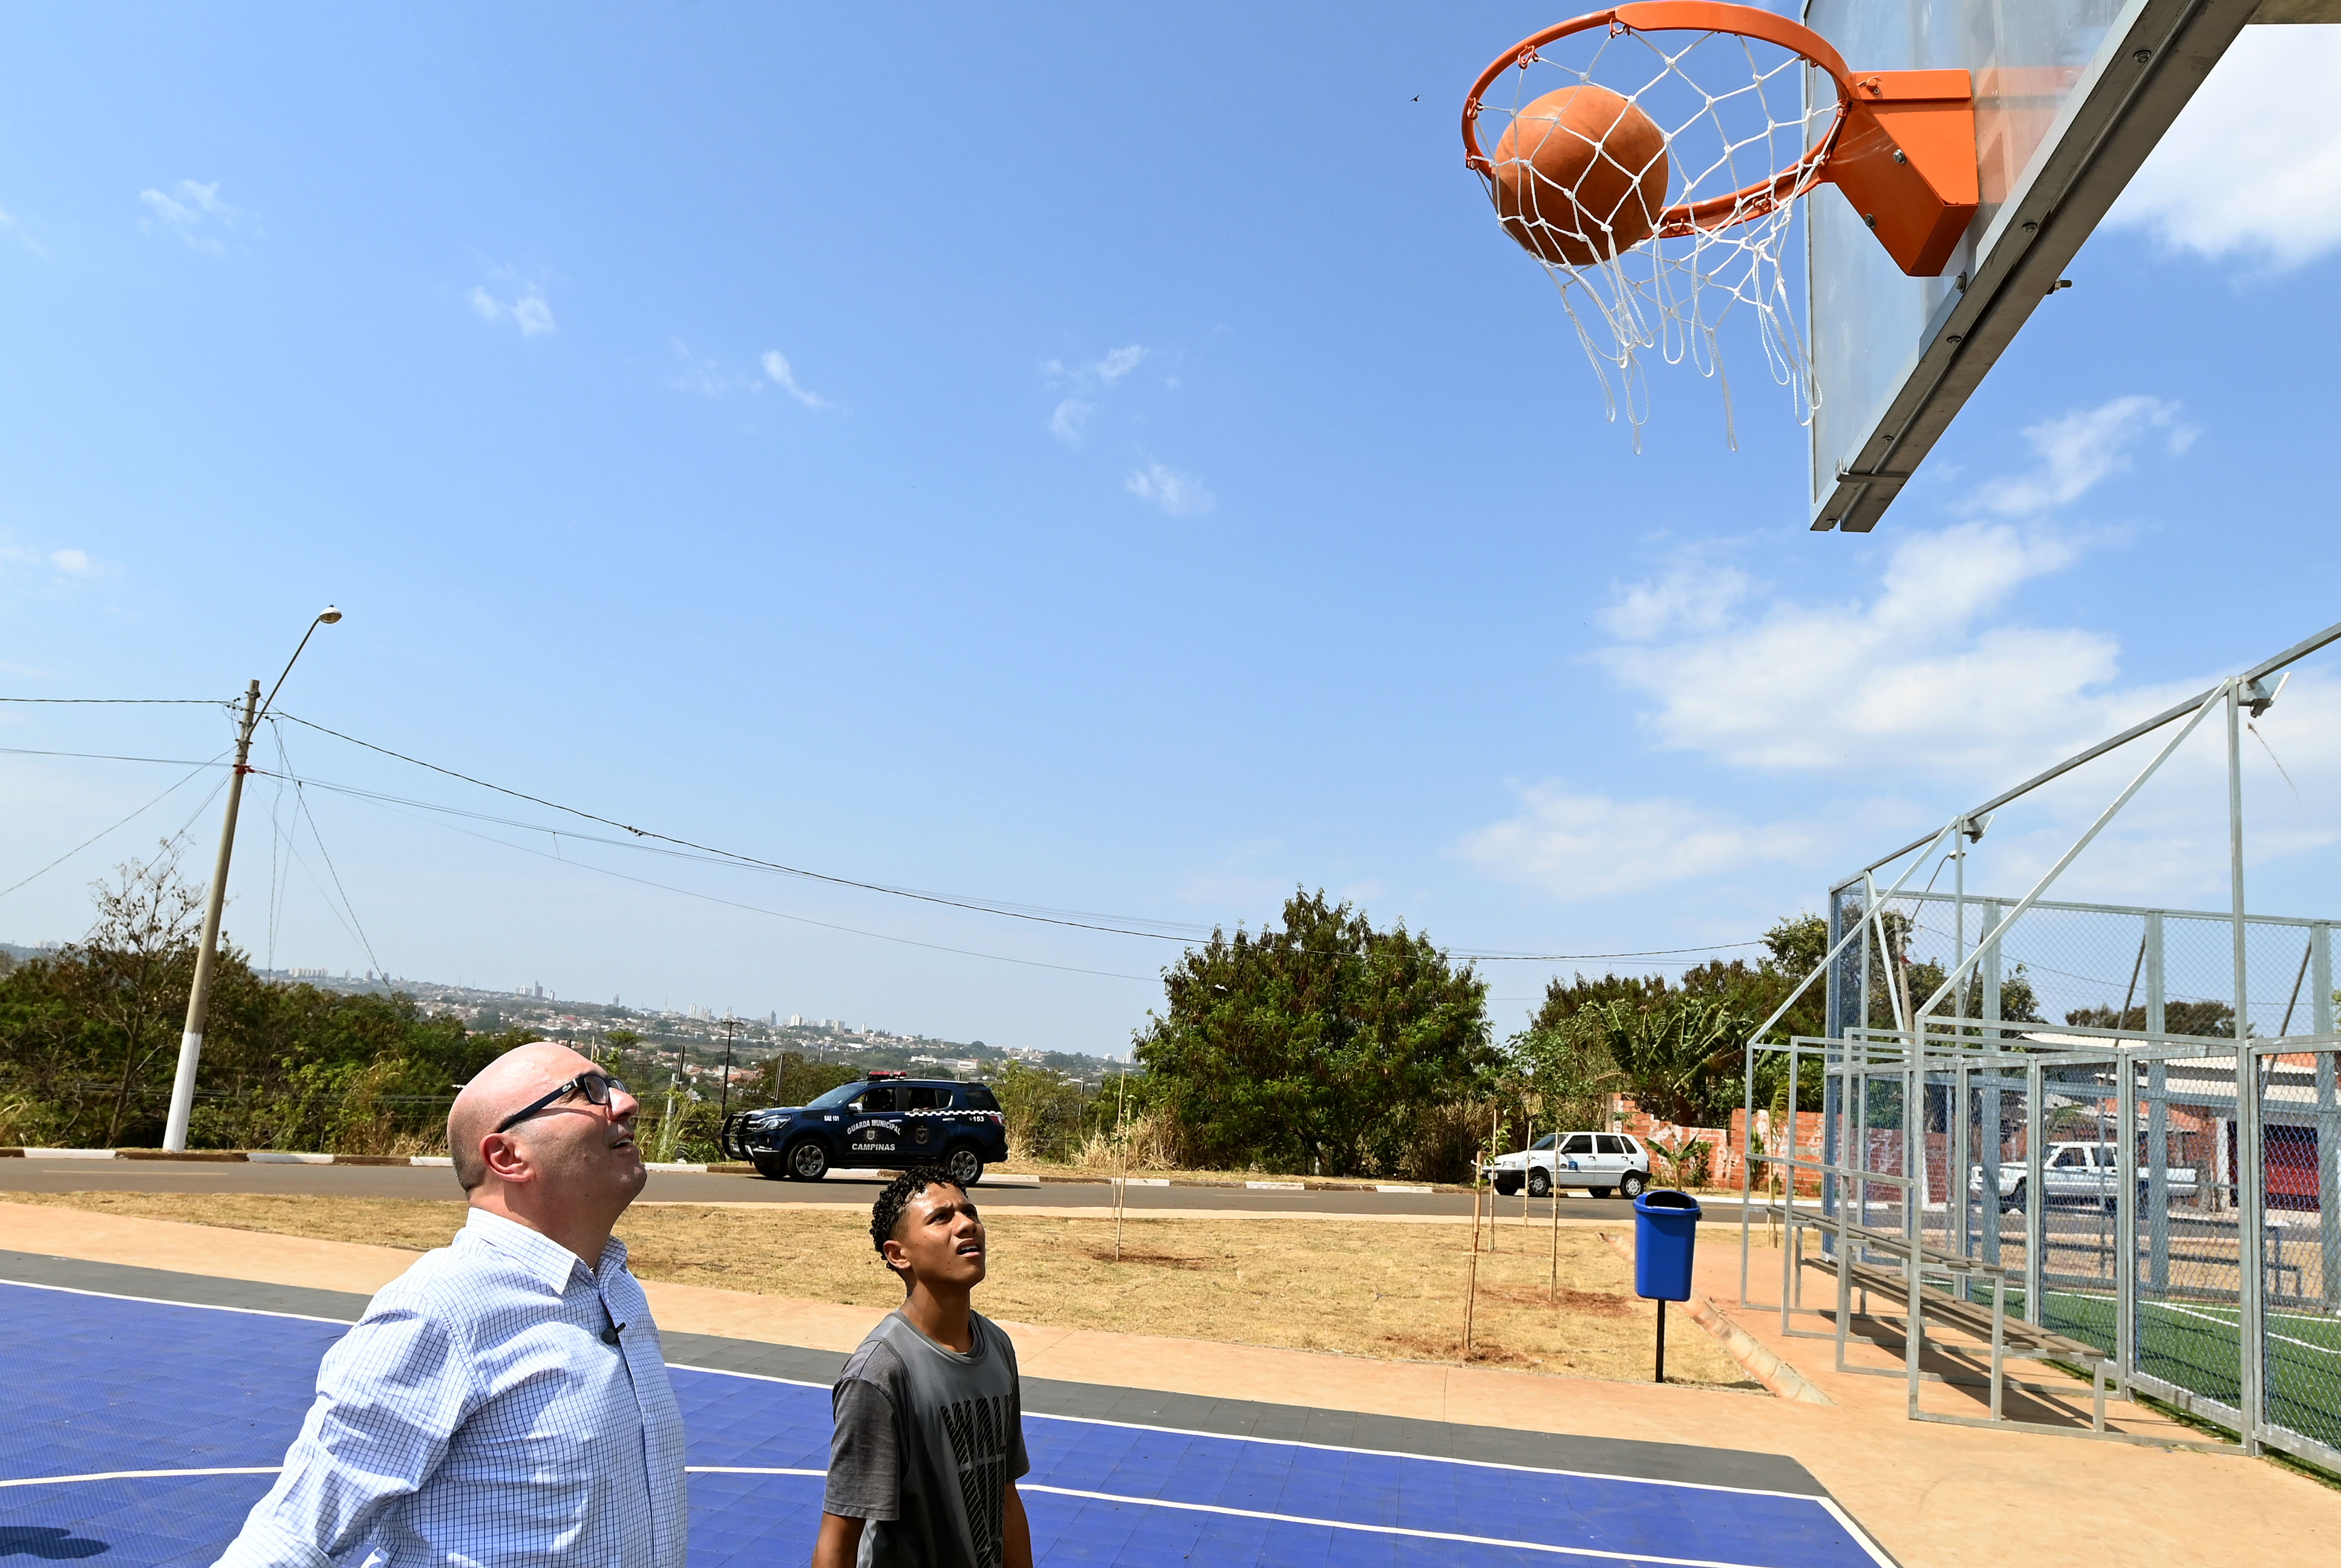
(199, 994)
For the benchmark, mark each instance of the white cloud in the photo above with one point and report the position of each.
(2252, 167)
(1586, 845)
(1084, 384)
(194, 212)
(1693, 595)
(1772, 684)
(1120, 362)
(521, 301)
(75, 562)
(2079, 449)
(1180, 494)
(1808, 686)
(776, 365)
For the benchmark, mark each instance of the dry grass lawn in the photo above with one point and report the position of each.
(1394, 1292)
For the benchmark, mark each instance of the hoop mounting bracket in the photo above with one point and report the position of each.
(1905, 159)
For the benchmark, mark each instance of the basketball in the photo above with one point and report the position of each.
(1580, 175)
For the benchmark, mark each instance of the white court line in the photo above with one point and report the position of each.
(1316, 1524)
(139, 1475)
(159, 1300)
(1330, 1447)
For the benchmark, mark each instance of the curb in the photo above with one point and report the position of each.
(1783, 1381)
(205, 1156)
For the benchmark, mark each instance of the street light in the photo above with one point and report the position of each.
(199, 994)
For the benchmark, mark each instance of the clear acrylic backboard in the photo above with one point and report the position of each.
(2070, 96)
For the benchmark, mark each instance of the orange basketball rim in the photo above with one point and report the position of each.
(1900, 146)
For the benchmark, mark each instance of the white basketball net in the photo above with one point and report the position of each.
(1734, 113)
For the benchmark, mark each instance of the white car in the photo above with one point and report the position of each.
(1603, 1163)
(2081, 1174)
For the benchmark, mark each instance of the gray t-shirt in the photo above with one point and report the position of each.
(927, 1442)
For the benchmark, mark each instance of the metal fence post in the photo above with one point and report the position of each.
(2035, 1232)
(2126, 1220)
(1955, 1190)
(1996, 1078)
(2157, 1118)
(2328, 1115)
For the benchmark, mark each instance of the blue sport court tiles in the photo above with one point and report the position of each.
(117, 1399)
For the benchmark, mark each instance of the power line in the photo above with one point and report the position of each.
(127, 701)
(980, 907)
(759, 909)
(1013, 912)
(85, 844)
(110, 757)
(1181, 931)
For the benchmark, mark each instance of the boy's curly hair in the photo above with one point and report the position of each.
(887, 1211)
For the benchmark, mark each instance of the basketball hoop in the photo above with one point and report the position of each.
(1652, 158)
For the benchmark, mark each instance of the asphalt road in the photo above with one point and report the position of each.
(38, 1175)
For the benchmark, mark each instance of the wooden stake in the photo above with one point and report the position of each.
(1526, 1164)
(1121, 1187)
(1471, 1283)
(1552, 1287)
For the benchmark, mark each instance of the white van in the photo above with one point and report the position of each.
(1603, 1163)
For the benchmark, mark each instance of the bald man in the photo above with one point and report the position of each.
(504, 1401)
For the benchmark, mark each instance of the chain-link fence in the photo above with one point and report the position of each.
(2079, 1115)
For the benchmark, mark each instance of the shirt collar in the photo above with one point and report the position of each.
(538, 1254)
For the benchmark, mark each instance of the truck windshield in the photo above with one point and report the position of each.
(835, 1097)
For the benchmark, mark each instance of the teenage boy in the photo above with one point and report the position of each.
(930, 1425)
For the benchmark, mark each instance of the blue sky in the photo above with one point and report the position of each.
(1075, 460)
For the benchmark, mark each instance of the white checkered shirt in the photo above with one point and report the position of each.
(475, 1415)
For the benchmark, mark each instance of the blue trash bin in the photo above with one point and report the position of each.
(1666, 1232)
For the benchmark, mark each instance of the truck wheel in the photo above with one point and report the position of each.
(963, 1165)
(771, 1169)
(807, 1160)
(1634, 1185)
(1539, 1182)
(1598, 1191)
(1506, 1185)
(2014, 1202)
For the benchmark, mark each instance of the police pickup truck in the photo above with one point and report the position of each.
(886, 1119)
(2081, 1174)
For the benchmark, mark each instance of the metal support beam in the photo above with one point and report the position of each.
(2157, 1119)
(2250, 1218)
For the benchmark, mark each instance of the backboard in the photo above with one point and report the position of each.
(2070, 96)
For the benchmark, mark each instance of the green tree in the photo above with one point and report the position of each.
(1680, 1058)
(1043, 1110)
(1562, 1074)
(1318, 1043)
(791, 1079)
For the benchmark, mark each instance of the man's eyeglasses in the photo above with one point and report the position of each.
(597, 1087)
